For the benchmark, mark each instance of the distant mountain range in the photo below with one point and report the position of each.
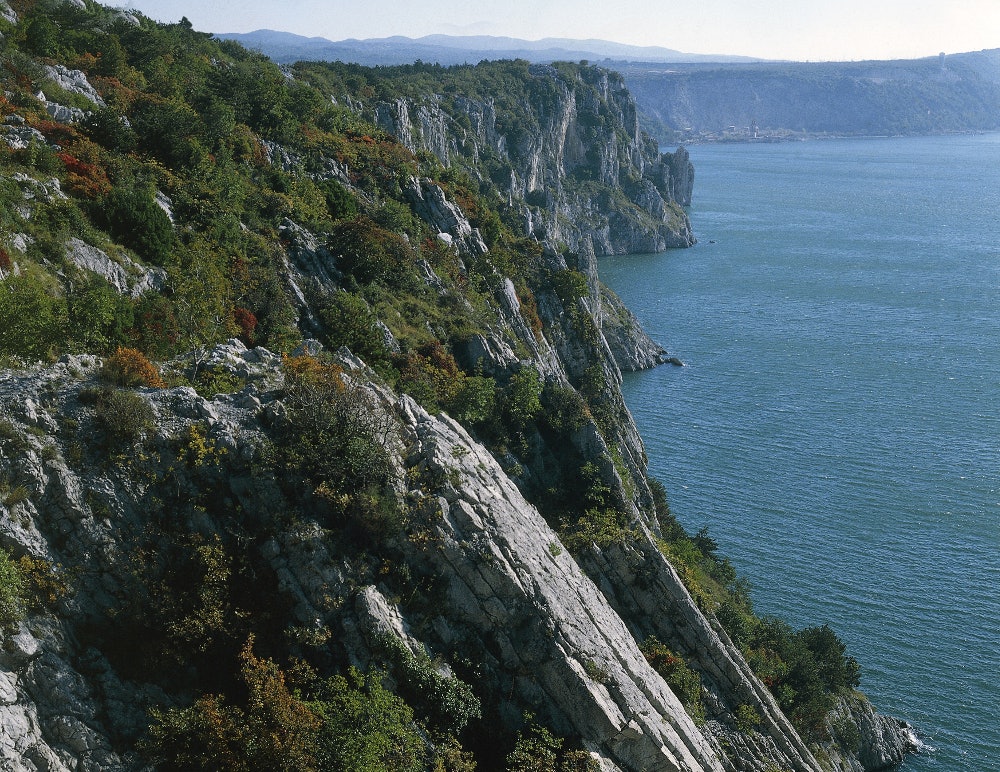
(284, 48)
(693, 97)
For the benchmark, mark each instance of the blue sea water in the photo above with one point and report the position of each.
(836, 426)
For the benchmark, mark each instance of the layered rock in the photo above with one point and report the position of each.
(555, 634)
(125, 275)
(573, 157)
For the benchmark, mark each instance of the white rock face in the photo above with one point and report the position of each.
(126, 276)
(505, 567)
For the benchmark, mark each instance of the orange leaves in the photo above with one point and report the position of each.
(129, 367)
(311, 372)
(85, 179)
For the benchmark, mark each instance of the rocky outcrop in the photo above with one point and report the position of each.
(565, 147)
(433, 207)
(631, 347)
(125, 275)
(73, 81)
(874, 742)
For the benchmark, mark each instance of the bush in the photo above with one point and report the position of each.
(124, 416)
(370, 253)
(32, 318)
(274, 731)
(128, 368)
(137, 221)
(350, 321)
(446, 703)
(746, 718)
(522, 399)
(538, 750)
(682, 680)
(365, 727)
(12, 602)
(804, 669)
(98, 317)
(338, 435)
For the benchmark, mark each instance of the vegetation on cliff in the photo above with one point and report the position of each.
(197, 195)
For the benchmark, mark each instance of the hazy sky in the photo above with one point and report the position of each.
(777, 29)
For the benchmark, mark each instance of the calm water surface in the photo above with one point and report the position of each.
(836, 424)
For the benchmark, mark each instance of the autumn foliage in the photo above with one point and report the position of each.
(129, 367)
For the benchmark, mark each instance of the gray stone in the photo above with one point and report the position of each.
(74, 81)
(125, 275)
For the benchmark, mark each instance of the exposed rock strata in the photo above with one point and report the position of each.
(555, 634)
(586, 172)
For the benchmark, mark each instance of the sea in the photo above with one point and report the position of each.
(836, 423)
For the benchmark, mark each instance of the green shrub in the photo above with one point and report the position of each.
(340, 201)
(337, 435)
(98, 318)
(570, 286)
(565, 411)
(349, 321)
(125, 417)
(137, 221)
(32, 317)
(522, 399)
(370, 253)
(804, 669)
(365, 727)
(474, 404)
(538, 750)
(12, 601)
(746, 718)
(445, 703)
(682, 680)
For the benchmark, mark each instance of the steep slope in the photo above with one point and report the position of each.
(237, 558)
(560, 143)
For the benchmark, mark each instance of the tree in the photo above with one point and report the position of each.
(366, 728)
(274, 730)
(136, 220)
(32, 320)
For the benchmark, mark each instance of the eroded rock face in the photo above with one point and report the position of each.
(588, 130)
(549, 632)
(125, 275)
(512, 585)
(74, 81)
(632, 348)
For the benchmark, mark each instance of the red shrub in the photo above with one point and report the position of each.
(247, 323)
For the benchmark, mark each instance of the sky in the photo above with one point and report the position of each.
(803, 30)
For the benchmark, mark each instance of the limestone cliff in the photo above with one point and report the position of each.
(562, 145)
(451, 496)
(480, 580)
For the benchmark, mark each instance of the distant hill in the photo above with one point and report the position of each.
(940, 94)
(284, 48)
